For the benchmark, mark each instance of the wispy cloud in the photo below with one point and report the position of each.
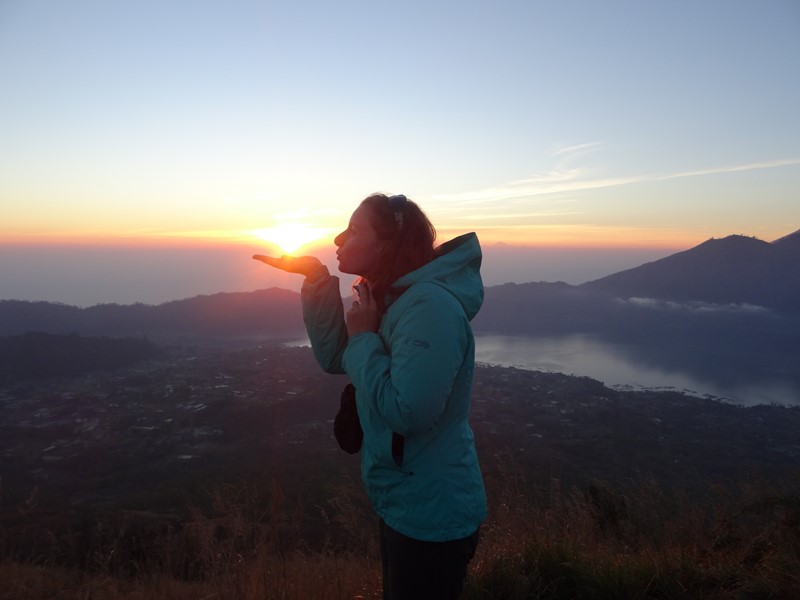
(495, 216)
(557, 184)
(552, 183)
(757, 166)
(695, 306)
(577, 149)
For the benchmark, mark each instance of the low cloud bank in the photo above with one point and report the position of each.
(695, 306)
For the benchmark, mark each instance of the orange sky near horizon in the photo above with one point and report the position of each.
(299, 238)
(545, 125)
(586, 238)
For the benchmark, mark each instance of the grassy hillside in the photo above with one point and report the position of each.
(539, 542)
(213, 474)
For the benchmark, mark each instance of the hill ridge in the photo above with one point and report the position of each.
(736, 269)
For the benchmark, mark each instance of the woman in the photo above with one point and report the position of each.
(407, 345)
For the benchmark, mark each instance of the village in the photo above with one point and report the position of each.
(147, 436)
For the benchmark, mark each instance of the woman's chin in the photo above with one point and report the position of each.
(349, 270)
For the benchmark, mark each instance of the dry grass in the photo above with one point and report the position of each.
(597, 542)
(300, 576)
(601, 542)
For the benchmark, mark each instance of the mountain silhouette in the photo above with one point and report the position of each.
(789, 243)
(36, 355)
(272, 311)
(732, 270)
(735, 271)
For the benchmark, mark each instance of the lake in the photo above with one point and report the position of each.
(625, 366)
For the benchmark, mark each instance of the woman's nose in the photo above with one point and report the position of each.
(339, 239)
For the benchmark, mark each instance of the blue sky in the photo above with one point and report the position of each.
(569, 124)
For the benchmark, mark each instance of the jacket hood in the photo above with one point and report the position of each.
(456, 268)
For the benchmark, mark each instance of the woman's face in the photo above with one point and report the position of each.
(359, 249)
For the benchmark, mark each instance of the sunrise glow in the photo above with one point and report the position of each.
(290, 237)
(152, 146)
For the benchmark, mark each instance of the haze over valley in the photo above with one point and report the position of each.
(86, 275)
(725, 312)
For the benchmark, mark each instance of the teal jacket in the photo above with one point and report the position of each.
(413, 378)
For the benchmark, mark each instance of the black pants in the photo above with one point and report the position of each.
(417, 570)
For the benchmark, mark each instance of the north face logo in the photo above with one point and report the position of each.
(418, 343)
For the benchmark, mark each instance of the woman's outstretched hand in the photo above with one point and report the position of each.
(364, 314)
(310, 266)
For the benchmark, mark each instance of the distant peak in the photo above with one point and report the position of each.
(792, 238)
(735, 240)
(740, 236)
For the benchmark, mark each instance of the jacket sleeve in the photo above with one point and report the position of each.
(408, 383)
(323, 315)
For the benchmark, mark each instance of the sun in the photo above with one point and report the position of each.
(290, 237)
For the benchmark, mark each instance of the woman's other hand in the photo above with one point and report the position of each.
(364, 314)
(310, 266)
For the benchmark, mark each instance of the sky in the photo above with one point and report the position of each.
(148, 148)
